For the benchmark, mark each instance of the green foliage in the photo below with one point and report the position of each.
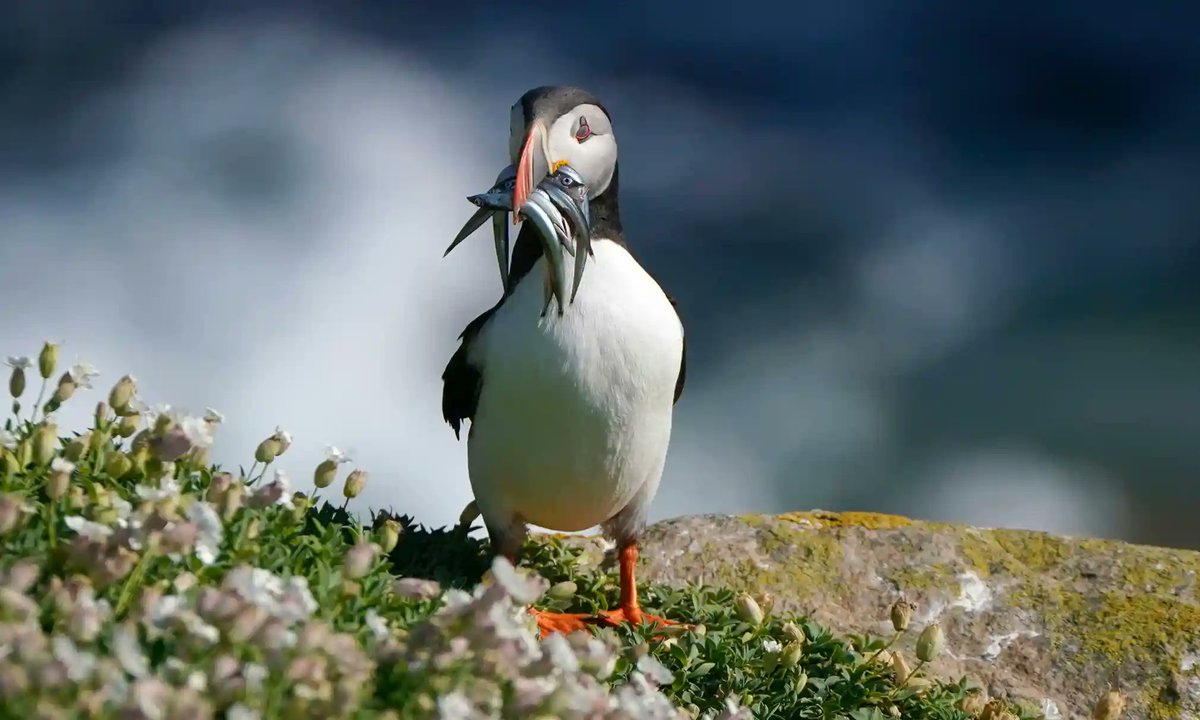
(139, 580)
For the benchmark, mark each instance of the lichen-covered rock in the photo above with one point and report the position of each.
(1039, 618)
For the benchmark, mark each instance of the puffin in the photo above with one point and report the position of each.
(569, 412)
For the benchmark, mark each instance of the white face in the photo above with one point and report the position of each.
(582, 137)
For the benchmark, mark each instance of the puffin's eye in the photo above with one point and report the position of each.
(583, 131)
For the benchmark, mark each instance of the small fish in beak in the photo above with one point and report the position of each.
(560, 197)
(495, 203)
(545, 217)
(569, 193)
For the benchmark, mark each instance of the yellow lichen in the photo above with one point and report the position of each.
(867, 520)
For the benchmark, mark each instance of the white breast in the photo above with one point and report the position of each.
(574, 414)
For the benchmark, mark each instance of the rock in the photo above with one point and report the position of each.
(1040, 618)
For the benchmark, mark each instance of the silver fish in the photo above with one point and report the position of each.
(569, 193)
(495, 203)
(541, 212)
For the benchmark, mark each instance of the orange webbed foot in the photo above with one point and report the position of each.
(636, 617)
(558, 622)
(567, 623)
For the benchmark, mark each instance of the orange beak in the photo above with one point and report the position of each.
(532, 166)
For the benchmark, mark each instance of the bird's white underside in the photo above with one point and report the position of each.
(574, 414)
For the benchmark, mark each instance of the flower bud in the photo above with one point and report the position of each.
(64, 391)
(359, 560)
(792, 654)
(267, 450)
(389, 536)
(284, 438)
(300, 505)
(1109, 707)
(902, 611)
(48, 359)
(900, 667)
(16, 381)
(127, 425)
(9, 464)
(199, 457)
(973, 702)
(77, 447)
(162, 423)
(100, 414)
(468, 514)
(794, 632)
(355, 483)
(98, 440)
(122, 393)
(564, 590)
(747, 609)
(325, 473)
(140, 441)
(10, 512)
(117, 464)
(60, 478)
(930, 643)
(45, 442)
(24, 453)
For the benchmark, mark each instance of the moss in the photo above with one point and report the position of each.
(799, 558)
(827, 519)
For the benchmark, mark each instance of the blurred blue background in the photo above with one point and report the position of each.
(940, 258)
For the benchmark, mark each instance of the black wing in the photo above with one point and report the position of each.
(461, 381)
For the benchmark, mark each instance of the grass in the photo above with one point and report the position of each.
(139, 580)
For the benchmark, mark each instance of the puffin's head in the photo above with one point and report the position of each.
(555, 125)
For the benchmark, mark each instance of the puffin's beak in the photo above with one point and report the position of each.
(532, 166)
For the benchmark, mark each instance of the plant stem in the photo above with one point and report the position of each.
(885, 647)
(133, 582)
(38, 404)
(52, 524)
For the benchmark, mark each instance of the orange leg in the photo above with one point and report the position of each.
(628, 609)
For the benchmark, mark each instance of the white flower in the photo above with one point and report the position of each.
(288, 600)
(197, 681)
(198, 431)
(87, 528)
(198, 627)
(83, 373)
(255, 675)
(521, 589)
(79, 664)
(238, 711)
(62, 465)
(19, 362)
(213, 416)
(377, 625)
(7, 439)
(279, 487)
(283, 436)
(208, 543)
(332, 452)
(454, 705)
(772, 646)
(654, 670)
(128, 651)
(168, 488)
(560, 653)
